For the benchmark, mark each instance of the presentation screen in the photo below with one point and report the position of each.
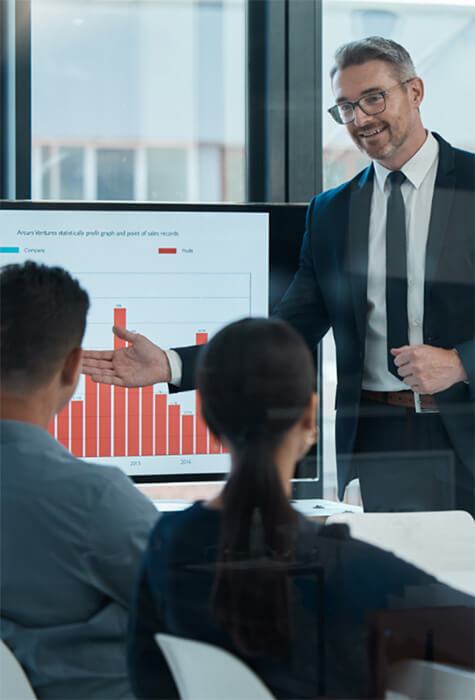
(176, 275)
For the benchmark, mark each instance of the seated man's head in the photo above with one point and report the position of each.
(42, 320)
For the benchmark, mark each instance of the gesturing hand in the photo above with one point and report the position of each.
(140, 364)
(427, 369)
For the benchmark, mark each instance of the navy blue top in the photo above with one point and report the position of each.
(337, 582)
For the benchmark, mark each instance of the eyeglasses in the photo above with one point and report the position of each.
(374, 103)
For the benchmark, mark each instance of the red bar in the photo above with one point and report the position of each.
(224, 449)
(120, 319)
(105, 416)
(167, 251)
(201, 429)
(201, 338)
(133, 422)
(187, 430)
(77, 428)
(91, 418)
(174, 430)
(52, 426)
(214, 444)
(161, 424)
(119, 421)
(63, 426)
(147, 420)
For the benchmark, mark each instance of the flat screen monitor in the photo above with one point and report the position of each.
(177, 274)
(422, 480)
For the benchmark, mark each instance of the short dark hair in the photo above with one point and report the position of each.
(375, 48)
(256, 379)
(42, 317)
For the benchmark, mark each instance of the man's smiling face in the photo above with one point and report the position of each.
(392, 135)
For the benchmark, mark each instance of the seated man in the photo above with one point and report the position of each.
(72, 532)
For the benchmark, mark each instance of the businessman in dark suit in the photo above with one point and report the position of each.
(387, 262)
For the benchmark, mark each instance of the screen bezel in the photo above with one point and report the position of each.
(309, 471)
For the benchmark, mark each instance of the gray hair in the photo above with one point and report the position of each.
(375, 48)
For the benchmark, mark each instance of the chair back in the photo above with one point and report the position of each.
(425, 680)
(14, 684)
(202, 670)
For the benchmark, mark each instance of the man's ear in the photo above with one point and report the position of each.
(416, 91)
(71, 368)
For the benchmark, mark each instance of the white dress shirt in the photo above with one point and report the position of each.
(176, 367)
(417, 191)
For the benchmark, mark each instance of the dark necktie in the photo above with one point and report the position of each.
(396, 269)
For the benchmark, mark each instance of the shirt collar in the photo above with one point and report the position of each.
(416, 168)
(27, 433)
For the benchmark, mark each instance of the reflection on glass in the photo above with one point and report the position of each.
(167, 174)
(234, 175)
(71, 172)
(115, 174)
(160, 80)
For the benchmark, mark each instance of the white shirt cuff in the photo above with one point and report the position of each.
(176, 367)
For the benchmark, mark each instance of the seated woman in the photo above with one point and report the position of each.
(246, 571)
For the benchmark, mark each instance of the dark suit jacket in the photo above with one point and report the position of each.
(330, 291)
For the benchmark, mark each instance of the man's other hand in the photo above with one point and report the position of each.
(428, 370)
(140, 363)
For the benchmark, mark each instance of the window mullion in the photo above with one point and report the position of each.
(22, 99)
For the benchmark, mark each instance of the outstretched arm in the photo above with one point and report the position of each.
(139, 363)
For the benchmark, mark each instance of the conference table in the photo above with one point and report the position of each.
(443, 543)
(314, 508)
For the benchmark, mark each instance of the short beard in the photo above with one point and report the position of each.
(388, 150)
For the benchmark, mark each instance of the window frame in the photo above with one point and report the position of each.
(15, 105)
(281, 35)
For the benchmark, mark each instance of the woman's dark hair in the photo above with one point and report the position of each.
(256, 377)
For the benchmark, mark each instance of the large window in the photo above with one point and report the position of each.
(440, 37)
(138, 100)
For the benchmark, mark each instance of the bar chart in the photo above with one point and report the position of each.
(113, 421)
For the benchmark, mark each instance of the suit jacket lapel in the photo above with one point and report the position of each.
(357, 246)
(441, 205)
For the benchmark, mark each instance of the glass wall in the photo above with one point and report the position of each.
(138, 100)
(146, 100)
(440, 36)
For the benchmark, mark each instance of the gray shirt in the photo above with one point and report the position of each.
(72, 535)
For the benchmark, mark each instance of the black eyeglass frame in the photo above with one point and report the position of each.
(335, 110)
